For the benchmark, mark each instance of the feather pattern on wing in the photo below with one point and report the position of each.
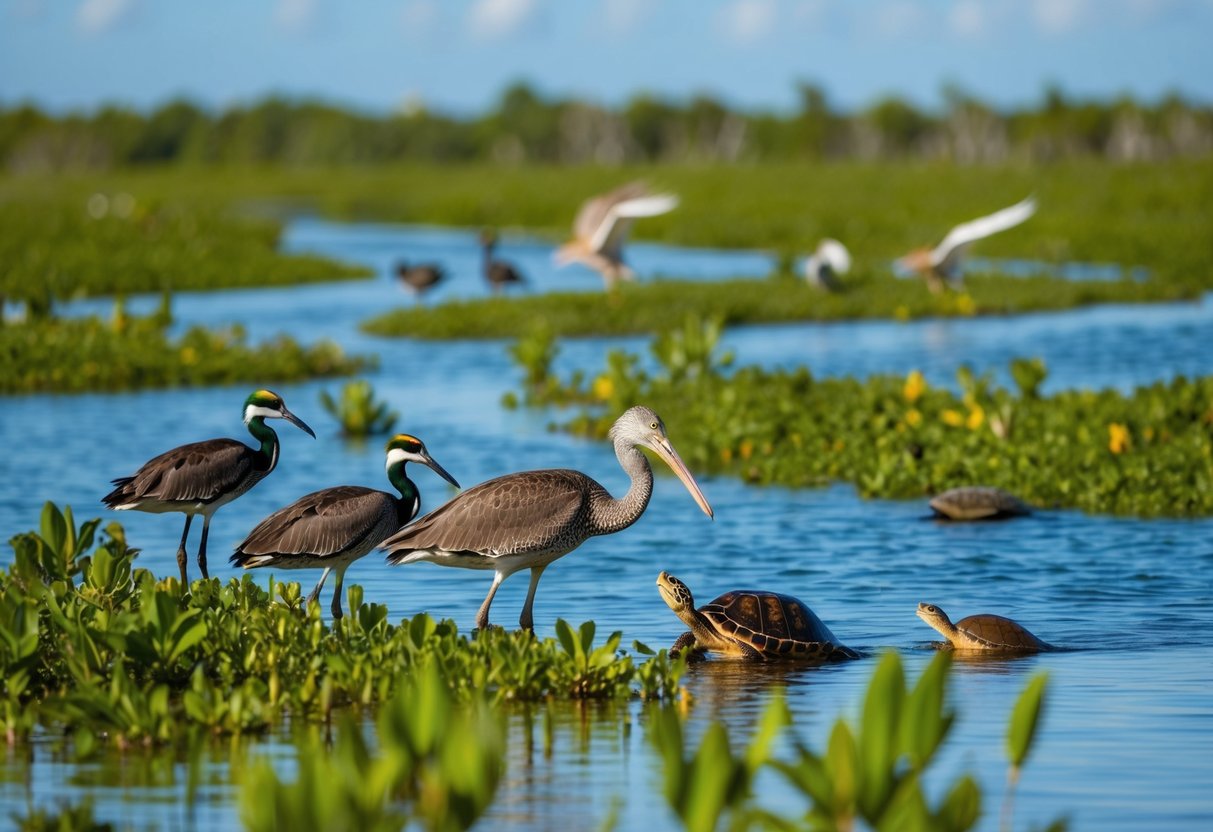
(531, 511)
(333, 521)
(198, 472)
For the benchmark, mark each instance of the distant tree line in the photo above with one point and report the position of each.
(526, 127)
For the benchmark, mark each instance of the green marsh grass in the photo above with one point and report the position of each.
(1148, 453)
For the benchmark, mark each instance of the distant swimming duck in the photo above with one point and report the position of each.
(421, 278)
(498, 273)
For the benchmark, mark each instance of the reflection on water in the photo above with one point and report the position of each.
(1130, 716)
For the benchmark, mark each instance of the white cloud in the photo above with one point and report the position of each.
(492, 19)
(967, 18)
(898, 19)
(747, 21)
(419, 17)
(1057, 17)
(94, 17)
(296, 15)
(622, 17)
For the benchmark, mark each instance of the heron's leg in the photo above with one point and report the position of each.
(206, 530)
(482, 617)
(526, 620)
(337, 590)
(182, 557)
(320, 584)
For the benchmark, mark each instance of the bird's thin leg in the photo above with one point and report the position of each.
(482, 617)
(319, 584)
(206, 530)
(526, 620)
(182, 557)
(337, 613)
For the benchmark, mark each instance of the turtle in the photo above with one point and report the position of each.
(981, 632)
(978, 502)
(751, 624)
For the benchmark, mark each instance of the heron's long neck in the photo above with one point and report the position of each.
(410, 497)
(608, 514)
(269, 443)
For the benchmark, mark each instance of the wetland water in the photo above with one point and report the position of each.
(1129, 725)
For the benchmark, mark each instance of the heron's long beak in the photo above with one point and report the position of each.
(440, 471)
(670, 457)
(297, 422)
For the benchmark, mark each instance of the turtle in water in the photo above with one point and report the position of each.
(977, 502)
(981, 632)
(751, 624)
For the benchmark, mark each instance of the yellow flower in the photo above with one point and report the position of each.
(913, 418)
(603, 388)
(746, 449)
(953, 418)
(1118, 438)
(977, 417)
(914, 387)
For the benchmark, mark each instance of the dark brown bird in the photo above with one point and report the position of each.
(498, 273)
(332, 528)
(529, 519)
(421, 278)
(201, 477)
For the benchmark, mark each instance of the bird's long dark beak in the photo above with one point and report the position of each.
(297, 422)
(440, 471)
(670, 457)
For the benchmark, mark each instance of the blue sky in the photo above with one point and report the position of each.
(457, 55)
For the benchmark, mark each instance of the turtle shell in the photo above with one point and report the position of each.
(997, 632)
(978, 503)
(774, 625)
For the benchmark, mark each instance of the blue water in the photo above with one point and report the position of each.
(1129, 728)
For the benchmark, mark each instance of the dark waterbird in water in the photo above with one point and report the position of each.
(201, 477)
(332, 528)
(529, 519)
(498, 273)
(420, 278)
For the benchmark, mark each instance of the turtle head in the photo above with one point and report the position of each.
(675, 593)
(934, 616)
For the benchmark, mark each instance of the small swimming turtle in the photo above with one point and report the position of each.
(751, 624)
(981, 632)
(977, 502)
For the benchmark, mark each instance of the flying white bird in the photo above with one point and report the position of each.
(825, 265)
(943, 265)
(602, 226)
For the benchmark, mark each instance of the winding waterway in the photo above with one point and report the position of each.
(1129, 727)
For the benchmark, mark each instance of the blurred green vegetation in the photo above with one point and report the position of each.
(357, 410)
(63, 240)
(525, 126)
(1145, 454)
(73, 355)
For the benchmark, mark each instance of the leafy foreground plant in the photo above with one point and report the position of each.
(436, 764)
(78, 355)
(358, 412)
(93, 645)
(1146, 454)
(871, 773)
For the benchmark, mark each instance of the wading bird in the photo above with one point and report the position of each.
(529, 519)
(602, 226)
(944, 265)
(825, 265)
(201, 477)
(498, 273)
(332, 528)
(421, 278)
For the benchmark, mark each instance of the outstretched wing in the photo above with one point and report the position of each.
(967, 232)
(613, 230)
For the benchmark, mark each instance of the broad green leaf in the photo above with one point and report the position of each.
(1025, 719)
